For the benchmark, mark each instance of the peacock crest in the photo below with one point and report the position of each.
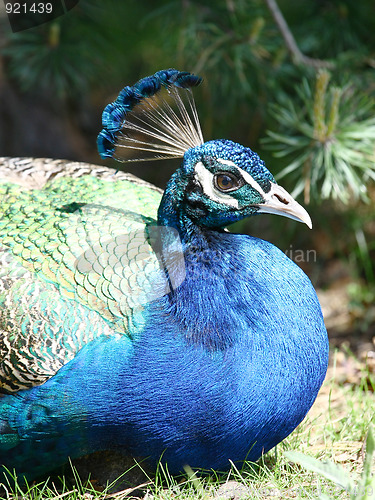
(156, 118)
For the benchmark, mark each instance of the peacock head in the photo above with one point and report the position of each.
(224, 182)
(218, 183)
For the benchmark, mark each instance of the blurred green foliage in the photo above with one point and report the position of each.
(327, 138)
(234, 44)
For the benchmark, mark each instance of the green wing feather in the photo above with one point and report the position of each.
(76, 262)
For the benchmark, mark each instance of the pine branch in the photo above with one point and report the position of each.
(297, 55)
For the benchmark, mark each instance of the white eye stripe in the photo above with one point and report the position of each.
(251, 181)
(227, 162)
(205, 178)
(246, 176)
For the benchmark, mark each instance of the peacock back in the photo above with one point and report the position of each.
(74, 244)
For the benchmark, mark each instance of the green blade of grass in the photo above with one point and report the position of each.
(327, 469)
(366, 486)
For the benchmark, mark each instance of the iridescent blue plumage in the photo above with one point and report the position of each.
(221, 361)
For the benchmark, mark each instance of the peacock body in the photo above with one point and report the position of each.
(132, 320)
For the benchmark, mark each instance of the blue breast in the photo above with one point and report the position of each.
(201, 401)
(247, 378)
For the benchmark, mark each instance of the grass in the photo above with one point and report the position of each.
(335, 430)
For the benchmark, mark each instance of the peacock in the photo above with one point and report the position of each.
(133, 320)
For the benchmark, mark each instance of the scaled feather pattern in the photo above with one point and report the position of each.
(131, 319)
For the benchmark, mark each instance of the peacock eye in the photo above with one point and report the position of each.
(227, 182)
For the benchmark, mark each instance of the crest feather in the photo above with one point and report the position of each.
(154, 119)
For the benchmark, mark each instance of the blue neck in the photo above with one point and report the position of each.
(203, 258)
(181, 207)
(171, 212)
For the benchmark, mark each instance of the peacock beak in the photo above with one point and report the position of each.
(278, 201)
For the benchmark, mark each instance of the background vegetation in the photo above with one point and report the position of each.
(293, 80)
